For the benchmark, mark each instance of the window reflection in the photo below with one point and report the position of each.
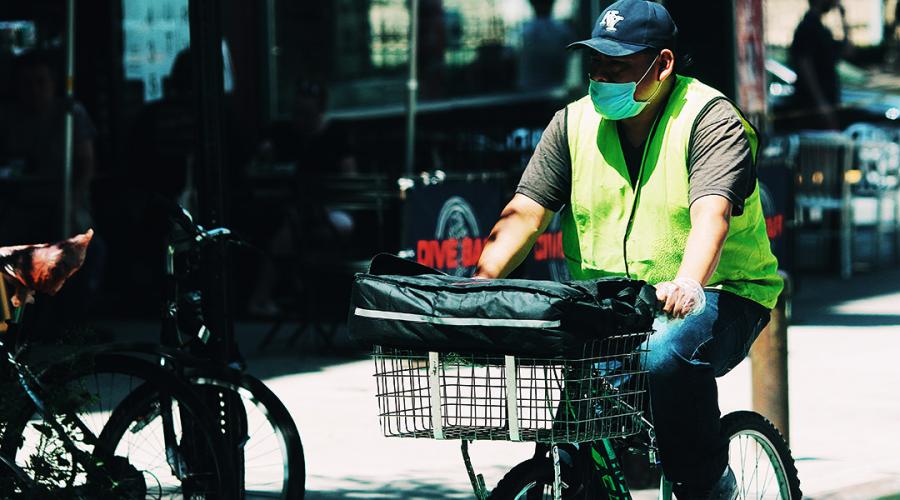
(467, 48)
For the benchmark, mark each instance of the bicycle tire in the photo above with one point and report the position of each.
(216, 479)
(252, 392)
(740, 424)
(533, 479)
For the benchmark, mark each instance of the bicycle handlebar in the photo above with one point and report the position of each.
(211, 235)
(195, 233)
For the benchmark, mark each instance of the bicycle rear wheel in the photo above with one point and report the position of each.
(82, 395)
(760, 458)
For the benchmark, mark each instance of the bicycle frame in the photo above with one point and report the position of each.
(175, 354)
(593, 458)
(605, 462)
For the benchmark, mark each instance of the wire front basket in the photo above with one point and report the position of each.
(476, 397)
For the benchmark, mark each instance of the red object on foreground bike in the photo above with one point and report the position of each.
(43, 267)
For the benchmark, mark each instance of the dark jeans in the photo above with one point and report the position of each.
(684, 360)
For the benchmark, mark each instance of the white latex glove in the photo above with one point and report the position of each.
(681, 297)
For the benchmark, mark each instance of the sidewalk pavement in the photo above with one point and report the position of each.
(844, 380)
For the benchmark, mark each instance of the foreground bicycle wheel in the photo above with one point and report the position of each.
(530, 480)
(273, 460)
(92, 388)
(533, 479)
(272, 452)
(761, 460)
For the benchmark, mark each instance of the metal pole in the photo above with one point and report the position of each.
(879, 220)
(272, 60)
(69, 124)
(769, 361)
(208, 67)
(206, 57)
(846, 214)
(412, 86)
(895, 225)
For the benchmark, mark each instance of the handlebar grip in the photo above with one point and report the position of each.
(213, 234)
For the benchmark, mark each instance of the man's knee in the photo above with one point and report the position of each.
(672, 352)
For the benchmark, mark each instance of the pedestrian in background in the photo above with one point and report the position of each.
(815, 54)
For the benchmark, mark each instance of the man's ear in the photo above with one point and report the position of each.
(666, 64)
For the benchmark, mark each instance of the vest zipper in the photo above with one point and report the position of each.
(637, 187)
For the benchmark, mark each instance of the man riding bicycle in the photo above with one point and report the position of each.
(654, 175)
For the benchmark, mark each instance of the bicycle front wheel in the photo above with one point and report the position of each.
(272, 451)
(530, 480)
(533, 479)
(761, 460)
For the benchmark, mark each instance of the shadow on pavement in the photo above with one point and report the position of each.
(408, 490)
(816, 296)
(838, 319)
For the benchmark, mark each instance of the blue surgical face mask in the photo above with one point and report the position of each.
(615, 101)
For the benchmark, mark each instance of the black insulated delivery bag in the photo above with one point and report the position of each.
(404, 305)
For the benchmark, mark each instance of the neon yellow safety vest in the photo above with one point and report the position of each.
(612, 229)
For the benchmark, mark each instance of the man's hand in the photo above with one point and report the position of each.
(710, 219)
(680, 297)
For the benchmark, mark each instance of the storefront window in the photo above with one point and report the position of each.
(359, 49)
(154, 31)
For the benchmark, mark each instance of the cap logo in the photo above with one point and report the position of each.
(610, 19)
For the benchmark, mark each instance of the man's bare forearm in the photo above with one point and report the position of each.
(709, 229)
(521, 222)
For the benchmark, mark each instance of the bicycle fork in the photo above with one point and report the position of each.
(477, 480)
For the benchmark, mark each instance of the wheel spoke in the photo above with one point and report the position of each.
(744, 488)
(766, 482)
(761, 467)
(756, 465)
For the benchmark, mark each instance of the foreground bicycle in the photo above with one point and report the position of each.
(55, 418)
(268, 445)
(582, 413)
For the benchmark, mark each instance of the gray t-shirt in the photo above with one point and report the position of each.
(719, 163)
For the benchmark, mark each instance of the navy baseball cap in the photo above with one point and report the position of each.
(630, 26)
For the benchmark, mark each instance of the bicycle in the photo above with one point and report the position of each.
(54, 416)
(582, 413)
(268, 445)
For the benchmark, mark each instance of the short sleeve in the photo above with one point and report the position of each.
(548, 177)
(720, 161)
